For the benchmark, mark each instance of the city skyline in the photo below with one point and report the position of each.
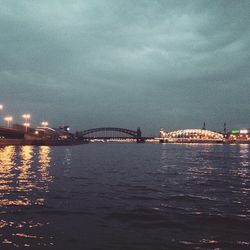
(153, 64)
(12, 122)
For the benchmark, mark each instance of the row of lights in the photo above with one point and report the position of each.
(26, 118)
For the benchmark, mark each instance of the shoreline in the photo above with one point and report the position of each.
(72, 142)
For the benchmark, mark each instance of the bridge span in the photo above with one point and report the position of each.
(110, 133)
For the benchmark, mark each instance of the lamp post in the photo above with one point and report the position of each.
(1, 107)
(26, 124)
(8, 119)
(26, 118)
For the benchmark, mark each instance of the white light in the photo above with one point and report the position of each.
(8, 119)
(26, 116)
(244, 131)
(44, 124)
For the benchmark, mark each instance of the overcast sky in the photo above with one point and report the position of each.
(126, 63)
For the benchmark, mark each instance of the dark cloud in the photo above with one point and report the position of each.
(127, 63)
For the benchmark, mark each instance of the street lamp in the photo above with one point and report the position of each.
(26, 117)
(8, 119)
(45, 124)
(1, 107)
(26, 125)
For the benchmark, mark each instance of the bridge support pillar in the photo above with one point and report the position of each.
(139, 139)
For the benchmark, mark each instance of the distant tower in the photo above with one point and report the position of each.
(138, 132)
(138, 136)
(225, 128)
(204, 126)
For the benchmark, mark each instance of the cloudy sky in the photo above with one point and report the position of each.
(126, 63)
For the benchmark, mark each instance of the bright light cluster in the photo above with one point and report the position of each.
(244, 131)
(199, 134)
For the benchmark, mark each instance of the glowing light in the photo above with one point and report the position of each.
(194, 134)
(243, 131)
(25, 173)
(44, 162)
(1, 106)
(235, 131)
(45, 124)
(19, 176)
(8, 119)
(25, 235)
(26, 116)
(26, 125)
(6, 162)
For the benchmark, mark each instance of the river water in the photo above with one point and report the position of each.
(125, 196)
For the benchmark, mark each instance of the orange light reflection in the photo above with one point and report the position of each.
(25, 175)
(6, 166)
(24, 171)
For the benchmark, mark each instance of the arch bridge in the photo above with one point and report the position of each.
(110, 133)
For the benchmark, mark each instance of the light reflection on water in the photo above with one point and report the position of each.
(6, 165)
(125, 196)
(44, 161)
(25, 175)
(24, 180)
(213, 179)
(22, 172)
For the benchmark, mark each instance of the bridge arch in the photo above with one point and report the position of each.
(132, 133)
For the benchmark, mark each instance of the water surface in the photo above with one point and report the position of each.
(125, 196)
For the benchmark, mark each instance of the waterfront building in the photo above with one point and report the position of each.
(239, 136)
(191, 136)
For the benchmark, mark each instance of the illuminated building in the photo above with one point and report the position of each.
(191, 136)
(239, 136)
